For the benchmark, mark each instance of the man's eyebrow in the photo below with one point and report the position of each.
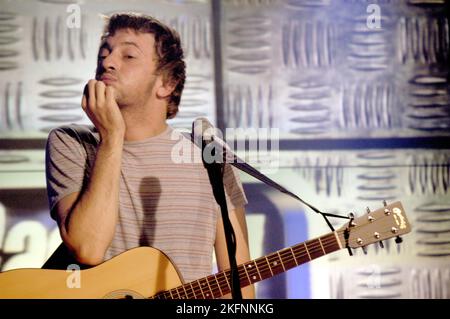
(130, 43)
(107, 46)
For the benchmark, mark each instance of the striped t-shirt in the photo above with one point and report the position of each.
(166, 199)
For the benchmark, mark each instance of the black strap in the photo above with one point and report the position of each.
(266, 180)
(239, 163)
(215, 173)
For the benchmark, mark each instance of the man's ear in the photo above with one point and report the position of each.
(165, 88)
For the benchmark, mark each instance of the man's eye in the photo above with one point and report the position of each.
(129, 57)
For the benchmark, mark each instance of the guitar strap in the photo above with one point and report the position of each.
(233, 159)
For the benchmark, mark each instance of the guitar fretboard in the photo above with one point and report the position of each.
(218, 285)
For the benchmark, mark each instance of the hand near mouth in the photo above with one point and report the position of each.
(101, 107)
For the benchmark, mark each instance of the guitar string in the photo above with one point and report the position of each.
(216, 288)
(284, 256)
(263, 269)
(327, 242)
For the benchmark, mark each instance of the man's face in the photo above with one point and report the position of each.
(127, 62)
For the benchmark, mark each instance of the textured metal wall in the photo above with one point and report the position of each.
(364, 115)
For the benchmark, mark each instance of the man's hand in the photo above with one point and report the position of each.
(101, 107)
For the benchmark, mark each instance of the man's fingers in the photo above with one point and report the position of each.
(100, 93)
(91, 100)
(84, 102)
(86, 91)
(110, 98)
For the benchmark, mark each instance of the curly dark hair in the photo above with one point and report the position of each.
(170, 63)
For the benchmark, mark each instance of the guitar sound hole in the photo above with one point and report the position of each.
(124, 294)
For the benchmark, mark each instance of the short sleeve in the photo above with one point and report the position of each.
(65, 166)
(234, 191)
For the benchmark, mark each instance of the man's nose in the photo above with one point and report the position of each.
(109, 62)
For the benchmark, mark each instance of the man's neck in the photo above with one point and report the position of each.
(144, 125)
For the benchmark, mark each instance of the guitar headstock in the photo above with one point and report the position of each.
(375, 226)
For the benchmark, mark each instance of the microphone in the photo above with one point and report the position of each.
(203, 134)
(201, 131)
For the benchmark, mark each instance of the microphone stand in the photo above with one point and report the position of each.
(215, 174)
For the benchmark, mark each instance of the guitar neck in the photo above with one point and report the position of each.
(219, 284)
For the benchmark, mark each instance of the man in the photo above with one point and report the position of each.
(115, 187)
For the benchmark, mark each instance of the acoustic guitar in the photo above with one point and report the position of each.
(146, 272)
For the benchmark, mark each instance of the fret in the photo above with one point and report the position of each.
(314, 249)
(332, 244)
(224, 283)
(249, 280)
(225, 274)
(293, 255)
(207, 294)
(201, 289)
(193, 291)
(306, 249)
(281, 260)
(263, 270)
(218, 285)
(252, 271)
(161, 295)
(275, 264)
(320, 242)
(268, 263)
(288, 258)
(182, 292)
(176, 293)
(186, 294)
(212, 280)
(171, 296)
(338, 240)
(257, 269)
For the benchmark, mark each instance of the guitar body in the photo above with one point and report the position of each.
(139, 272)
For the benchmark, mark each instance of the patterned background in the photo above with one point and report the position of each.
(363, 114)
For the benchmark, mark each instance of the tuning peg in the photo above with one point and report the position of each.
(381, 244)
(398, 240)
(352, 217)
(350, 251)
(364, 249)
(367, 210)
(387, 212)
